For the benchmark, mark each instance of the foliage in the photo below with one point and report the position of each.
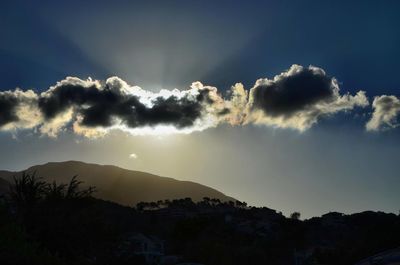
(295, 216)
(27, 190)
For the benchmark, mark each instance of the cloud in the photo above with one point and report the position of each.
(7, 108)
(297, 98)
(18, 110)
(386, 111)
(92, 108)
(235, 107)
(115, 102)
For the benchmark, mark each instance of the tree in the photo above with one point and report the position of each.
(240, 204)
(295, 216)
(27, 190)
(73, 191)
(141, 206)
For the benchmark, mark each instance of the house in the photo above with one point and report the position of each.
(389, 257)
(150, 248)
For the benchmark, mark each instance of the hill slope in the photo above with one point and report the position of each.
(120, 185)
(4, 185)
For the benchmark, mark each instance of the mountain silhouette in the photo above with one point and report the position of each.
(116, 184)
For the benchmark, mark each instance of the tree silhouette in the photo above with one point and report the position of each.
(295, 216)
(27, 190)
(240, 204)
(55, 191)
(73, 191)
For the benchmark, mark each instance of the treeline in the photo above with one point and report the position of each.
(187, 203)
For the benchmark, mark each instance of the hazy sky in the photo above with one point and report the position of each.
(295, 143)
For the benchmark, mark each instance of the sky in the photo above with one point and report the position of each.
(292, 105)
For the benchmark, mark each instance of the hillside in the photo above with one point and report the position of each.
(123, 186)
(4, 185)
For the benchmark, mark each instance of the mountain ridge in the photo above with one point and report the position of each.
(120, 185)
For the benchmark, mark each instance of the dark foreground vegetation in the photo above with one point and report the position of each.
(42, 223)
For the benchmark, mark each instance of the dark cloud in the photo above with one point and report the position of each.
(178, 112)
(297, 98)
(296, 91)
(100, 105)
(18, 109)
(8, 102)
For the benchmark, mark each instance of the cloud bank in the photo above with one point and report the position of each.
(296, 99)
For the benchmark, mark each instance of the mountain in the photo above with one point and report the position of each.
(116, 184)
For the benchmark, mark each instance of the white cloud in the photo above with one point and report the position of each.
(386, 111)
